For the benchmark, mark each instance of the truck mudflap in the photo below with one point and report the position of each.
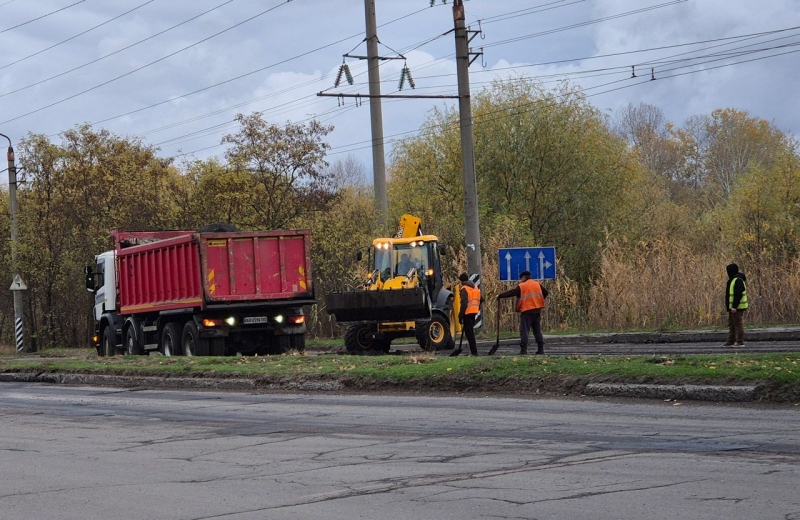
(395, 305)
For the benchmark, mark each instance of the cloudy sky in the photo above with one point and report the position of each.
(175, 72)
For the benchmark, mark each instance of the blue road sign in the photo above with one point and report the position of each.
(540, 261)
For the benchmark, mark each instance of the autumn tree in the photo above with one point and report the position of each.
(545, 159)
(719, 148)
(71, 196)
(286, 169)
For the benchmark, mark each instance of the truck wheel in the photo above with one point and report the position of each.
(297, 342)
(216, 346)
(279, 344)
(109, 342)
(435, 334)
(191, 342)
(171, 339)
(132, 347)
(358, 338)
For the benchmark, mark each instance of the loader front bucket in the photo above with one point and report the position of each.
(392, 305)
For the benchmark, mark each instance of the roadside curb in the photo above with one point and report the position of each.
(718, 393)
(688, 392)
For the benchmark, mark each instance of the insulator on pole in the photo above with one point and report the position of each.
(339, 76)
(410, 79)
(347, 74)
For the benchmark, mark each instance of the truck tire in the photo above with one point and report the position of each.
(217, 346)
(358, 340)
(192, 343)
(279, 345)
(132, 347)
(297, 342)
(435, 334)
(109, 342)
(171, 339)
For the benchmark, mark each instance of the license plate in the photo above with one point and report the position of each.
(255, 319)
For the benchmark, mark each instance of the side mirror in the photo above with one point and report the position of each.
(359, 256)
(89, 279)
(442, 250)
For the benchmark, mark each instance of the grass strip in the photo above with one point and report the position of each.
(777, 368)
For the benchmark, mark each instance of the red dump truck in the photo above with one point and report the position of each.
(199, 293)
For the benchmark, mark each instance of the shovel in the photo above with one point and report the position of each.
(497, 343)
(457, 351)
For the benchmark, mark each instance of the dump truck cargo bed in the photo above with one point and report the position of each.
(162, 271)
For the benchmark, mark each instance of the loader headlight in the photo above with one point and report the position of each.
(230, 321)
(279, 318)
(429, 272)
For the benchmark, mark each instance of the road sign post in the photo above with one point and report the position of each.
(539, 261)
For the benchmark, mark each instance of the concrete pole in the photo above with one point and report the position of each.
(473, 235)
(376, 113)
(19, 315)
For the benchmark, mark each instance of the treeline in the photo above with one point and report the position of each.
(644, 214)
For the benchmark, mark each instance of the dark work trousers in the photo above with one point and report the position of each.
(469, 324)
(528, 320)
(735, 327)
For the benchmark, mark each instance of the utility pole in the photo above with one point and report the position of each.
(17, 285)
(473, 235)
(376, 112)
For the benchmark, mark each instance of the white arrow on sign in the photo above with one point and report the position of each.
(543, 264)
(527, 261)
(508, 265)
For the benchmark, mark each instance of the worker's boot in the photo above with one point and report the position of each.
(523, 350)
(540, 350)
(473, 352)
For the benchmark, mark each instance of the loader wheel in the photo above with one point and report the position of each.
(434, 334)
(358, 338)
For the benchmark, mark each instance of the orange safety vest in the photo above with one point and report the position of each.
(473, 300)
(530, 296)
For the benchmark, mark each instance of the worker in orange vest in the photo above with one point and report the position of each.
(471, 300)
(530, 302)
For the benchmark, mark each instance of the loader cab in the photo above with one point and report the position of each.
(396, 257)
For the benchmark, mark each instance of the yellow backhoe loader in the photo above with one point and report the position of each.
(404, 295)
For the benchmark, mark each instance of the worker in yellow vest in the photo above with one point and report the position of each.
(530, 302)
(736, 304)
(471, 300)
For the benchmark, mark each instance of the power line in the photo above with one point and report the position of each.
(241, 76)
(77, 35)
(527, 11)
(284, 2)
(583, 24)
(116, 51)
(603, 71)
(482, 120)
(40, 17)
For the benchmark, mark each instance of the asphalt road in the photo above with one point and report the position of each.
(85, 453)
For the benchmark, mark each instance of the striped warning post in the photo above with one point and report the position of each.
(18, 329)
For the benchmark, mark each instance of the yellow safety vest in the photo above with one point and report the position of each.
(530, 297)
(473, 300)
(743, 302)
